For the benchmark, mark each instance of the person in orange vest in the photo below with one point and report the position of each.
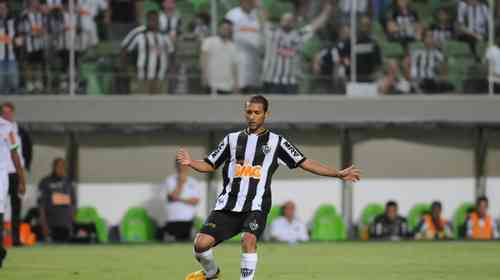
(480, 225)
(433, 226)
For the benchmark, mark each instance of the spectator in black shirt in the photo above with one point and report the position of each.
(403, 24)
(57, 204)
(442, 29)
(389, 226)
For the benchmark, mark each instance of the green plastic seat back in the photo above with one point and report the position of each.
(371, 211)
(274, 213)
(102, 230)
(87, 214)
(325, 223)
(459, 218)
(416, 213)
(137, 226)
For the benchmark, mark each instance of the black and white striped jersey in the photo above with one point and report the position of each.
(34, 26)
(250, 161)
(7, 37)
(426, 63)
(475, 17)
(169, 24)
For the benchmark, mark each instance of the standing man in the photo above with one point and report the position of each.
(8, 151)
(88, 11)
(219, 61)
(248, 43)
(153, 51)
(283, 45)
(182, 197)
(8, 114)
(9, 41)
(250, 158)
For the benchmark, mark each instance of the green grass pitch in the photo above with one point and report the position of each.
(322, 261)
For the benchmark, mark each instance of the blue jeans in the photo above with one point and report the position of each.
(9, 77)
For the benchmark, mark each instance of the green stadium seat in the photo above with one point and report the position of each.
(371, 211)
(459, 219)
(456, 48)
(198, 223)
(137, 226)
(274, 213)
(150, 5)
(416, 213)
(89, 73)
(90, 215)
(327, 225)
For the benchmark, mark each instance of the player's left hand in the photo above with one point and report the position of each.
(350, 174)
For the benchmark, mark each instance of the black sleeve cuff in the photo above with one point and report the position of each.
(299, 163)
(209, 162)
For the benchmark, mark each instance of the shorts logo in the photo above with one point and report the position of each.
(253, 225)
(266, 149)
(247, 171)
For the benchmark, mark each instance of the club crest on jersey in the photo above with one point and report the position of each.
(247, 171)
(266, 149)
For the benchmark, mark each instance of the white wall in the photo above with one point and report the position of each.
(112, 200)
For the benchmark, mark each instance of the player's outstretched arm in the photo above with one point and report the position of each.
(184, 158)
(350, 174)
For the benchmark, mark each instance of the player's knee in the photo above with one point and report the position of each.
(249, 242)
(202, 243)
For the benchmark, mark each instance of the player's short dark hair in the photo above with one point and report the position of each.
(436, 204)
(391, 203)
(7, 104)
(481, 199)
(259, 99)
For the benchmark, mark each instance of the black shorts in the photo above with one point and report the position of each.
(223, 225)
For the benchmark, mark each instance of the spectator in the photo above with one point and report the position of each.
(182, 195)
(480, 225)
(35, 32)
(8, 114)
(288, 228)
(442, 30)
(248, 42)
(219, 61)
(9, 41)
(283, 45)
(433, 226)
(170, 20)
(364, 8)
(493, 59)
(389, 226)
(88, 11)
(49, 6)
(403, 24)
(153, 51)
(393, 81)
(473, 23)
(200, 26)
(428, 68)
(57, 202)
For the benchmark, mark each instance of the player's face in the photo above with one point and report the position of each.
(3, 10)
(8, 113)
(483, 208)
(392, 212)
(60, 168)
(255, 115)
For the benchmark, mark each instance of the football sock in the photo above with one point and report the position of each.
(207, 261)
(248, 265)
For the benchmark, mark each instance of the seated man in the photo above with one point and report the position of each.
(403, 24)
(427, 68)
(287, 228)
(389, 226)
(57, 204)
(480, 225)
(183, 194)
(433, 226)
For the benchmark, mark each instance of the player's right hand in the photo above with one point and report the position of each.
(183, 157)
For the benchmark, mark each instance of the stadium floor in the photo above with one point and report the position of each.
(342, 261)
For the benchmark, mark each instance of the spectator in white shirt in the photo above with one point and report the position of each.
(182, 197)
(248, 42)
(219, 61)
(288, 228)
(493, 59)
(88, 11)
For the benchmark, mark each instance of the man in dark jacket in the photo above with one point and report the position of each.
(57, 203)
(389, 226)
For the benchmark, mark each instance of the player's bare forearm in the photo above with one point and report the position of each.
(201, 166)
(319, 169)
(350, 174)
(19, 170)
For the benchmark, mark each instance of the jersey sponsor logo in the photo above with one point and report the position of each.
(248, 29)
(291, 149)
(247, 171)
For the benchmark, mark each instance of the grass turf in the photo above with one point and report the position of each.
(343, 261)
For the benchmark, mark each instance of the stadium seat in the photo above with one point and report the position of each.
(273, 214)
(459, 219)
(370, 212)
(198, 223)
(90, 215)
(416, 214)
(137, 226)
(90, 75)
(327, 225)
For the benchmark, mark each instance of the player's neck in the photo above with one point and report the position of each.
(257, 131)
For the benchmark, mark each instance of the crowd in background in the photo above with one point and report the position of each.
(301, 46)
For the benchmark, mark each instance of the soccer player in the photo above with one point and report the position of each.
(8, 151)
(250, 158)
